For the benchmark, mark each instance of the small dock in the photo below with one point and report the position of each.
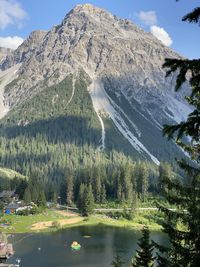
(6, 265)
(6, 250)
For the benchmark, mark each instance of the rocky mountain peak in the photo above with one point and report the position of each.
(123, 64)
(88, 13)
(24, 51)
(88, 8)
(4, 52)
(34, 38)
(91, 39)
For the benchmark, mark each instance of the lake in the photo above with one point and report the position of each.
(96, 251)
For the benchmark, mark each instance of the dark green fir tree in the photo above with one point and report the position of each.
(182, 225)
(85, 201)
(144, 256)
(117, 262)
(88, 201)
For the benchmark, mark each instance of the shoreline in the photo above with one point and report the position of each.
(93, 220)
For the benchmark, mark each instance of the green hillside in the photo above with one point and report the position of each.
(50, 139)
(10, 174)
(47, 135)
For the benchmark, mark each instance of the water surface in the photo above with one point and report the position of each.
(97, 251)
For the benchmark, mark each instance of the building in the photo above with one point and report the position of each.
(7, 194)
(11, 208)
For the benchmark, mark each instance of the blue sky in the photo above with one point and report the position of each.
(162, 17)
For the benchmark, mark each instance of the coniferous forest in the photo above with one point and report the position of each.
(58, 146)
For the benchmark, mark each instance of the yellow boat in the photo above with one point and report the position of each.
(75, 246)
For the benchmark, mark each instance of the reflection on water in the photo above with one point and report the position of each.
(53, 249)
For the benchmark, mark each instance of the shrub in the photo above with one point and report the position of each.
(56, 224)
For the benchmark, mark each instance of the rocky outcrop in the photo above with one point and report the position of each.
(24, 51)
(4, 52)
(92, 39)
(119, 58)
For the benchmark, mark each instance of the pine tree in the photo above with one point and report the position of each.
(41, 200)
(103, 194)
(142, 180)
(69, 189)
(97, 187)
(88, 201)
(27, 196)
(80, 201)
(134, 205)
(184, 250)
(126, 181)
(144, 256)
(165, 172)
(85, 201)
(117, 262)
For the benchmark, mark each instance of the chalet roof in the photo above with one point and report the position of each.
(6, 194)
(12, 206)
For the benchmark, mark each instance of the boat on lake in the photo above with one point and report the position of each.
(75, 246)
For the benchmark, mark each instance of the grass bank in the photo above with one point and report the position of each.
(145, 218)
(45, 222)
(23, 224)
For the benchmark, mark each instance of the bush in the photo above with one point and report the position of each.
(56, 225)
(5, 221)
(32, 211)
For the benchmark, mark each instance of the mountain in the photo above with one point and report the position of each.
(4, 52)
(10, 174)
(93, 84)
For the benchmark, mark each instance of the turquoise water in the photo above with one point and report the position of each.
(53, 249)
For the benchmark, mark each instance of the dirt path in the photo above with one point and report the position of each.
(63, 222)
(67, 213)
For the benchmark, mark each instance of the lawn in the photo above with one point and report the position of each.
(24, 224)
(149, 218)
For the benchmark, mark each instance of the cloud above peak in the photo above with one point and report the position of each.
(161, 35)
(11, 12)
(148, 17)
(11, 42)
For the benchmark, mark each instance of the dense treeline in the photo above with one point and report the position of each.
(115, 181)
(59, 143)
(107, 181)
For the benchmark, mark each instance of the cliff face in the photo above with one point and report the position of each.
(4, 52)
(121, 63)
(101, 44)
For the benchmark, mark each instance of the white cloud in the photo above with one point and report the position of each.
(11, 42)
(161, 35)
(11, 12)
(148, 17)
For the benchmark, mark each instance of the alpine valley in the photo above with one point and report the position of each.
(89, 90)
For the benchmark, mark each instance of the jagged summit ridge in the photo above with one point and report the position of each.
(89, 9)
(90, 14)
(4, 52)
(108, 46)
(24, 51)
(122, 62)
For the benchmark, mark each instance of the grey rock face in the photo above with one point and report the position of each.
(121, 60)
(4, 52)
(24, 51)
(92, 39)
